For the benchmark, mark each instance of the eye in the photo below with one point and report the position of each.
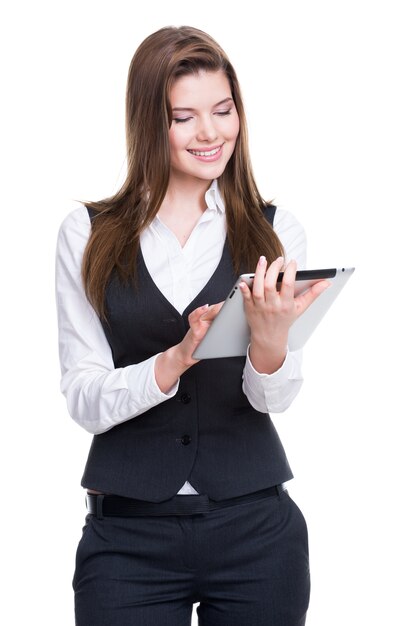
(223, 113)
(181, 120)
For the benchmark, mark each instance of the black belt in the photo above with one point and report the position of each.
(117, 506)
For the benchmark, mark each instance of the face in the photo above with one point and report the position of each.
(205, 126)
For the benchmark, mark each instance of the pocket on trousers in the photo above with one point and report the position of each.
(81, 547)
(87, 525)
(293, 561)
(294, 522)
(301, 528)
(299, 512)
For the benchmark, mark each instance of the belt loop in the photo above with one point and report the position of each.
(99, 506)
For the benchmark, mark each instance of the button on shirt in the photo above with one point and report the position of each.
(100, 396)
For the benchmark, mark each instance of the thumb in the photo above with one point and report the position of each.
(211, 312)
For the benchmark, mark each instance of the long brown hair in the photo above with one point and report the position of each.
(159, 61)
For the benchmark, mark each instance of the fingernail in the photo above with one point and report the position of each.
(262, 260)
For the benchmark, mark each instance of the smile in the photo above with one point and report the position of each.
(207, 155)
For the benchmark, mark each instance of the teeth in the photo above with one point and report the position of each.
(205, 154)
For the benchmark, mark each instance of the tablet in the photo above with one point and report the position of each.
(229, 334)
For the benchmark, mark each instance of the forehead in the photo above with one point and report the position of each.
(201, 88)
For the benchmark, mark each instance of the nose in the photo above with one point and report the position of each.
(206, 130)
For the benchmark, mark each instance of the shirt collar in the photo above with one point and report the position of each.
(214, 199)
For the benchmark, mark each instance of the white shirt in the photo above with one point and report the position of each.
(100, 396)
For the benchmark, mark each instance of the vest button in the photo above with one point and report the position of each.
(185, 398)
(185, 440)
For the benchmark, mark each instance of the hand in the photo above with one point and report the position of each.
(270, 313)
(199, 320)
(172, 363)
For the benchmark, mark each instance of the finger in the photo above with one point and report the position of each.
(287, 289)
(245, 291)
(308, 297)
(197, 313)
(211, 312)
(270, 281)
(258, 282)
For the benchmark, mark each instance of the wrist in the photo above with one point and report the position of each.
(270, 342)
(169, 366)
(176, 359)
(267, 357)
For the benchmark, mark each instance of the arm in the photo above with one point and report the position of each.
(100, 396)
(272, 375)
(172, 363)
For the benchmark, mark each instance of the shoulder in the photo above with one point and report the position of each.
(73, 235)
(291, 234)
(285, 221)
(76, 226)
(77, 219)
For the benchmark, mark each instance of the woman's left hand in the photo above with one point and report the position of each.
(270, 313)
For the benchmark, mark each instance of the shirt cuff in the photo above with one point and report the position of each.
(273, 392)
(143, 380)
(277, 378)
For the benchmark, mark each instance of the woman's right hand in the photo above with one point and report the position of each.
(172, 363)
(199, 320)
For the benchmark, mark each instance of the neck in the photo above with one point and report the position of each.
(185, 196)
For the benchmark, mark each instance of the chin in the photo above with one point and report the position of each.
(210, 173)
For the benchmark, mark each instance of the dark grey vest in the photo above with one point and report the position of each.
(208, 434)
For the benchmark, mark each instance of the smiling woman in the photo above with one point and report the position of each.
(202, 140)
(162, 60)
(207, 128)
(185, 475)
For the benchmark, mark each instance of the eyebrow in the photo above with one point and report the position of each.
(216, 105)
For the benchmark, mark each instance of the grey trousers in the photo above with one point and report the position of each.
(246, 565)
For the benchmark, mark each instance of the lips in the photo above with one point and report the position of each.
(208, 155)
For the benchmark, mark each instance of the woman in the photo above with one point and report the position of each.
(185, 473)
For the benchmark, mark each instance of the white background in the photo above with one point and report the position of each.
(331, 94)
